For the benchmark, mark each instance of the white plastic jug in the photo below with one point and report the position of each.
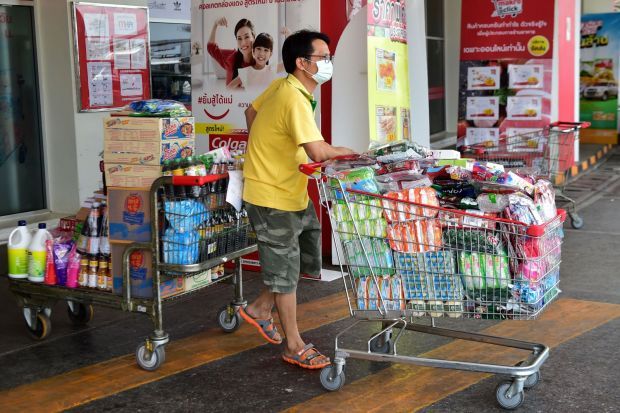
(37, 254)
(19, 241)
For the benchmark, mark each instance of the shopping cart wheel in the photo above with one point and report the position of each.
(382, 344)
(330, 384)
(532, 380)
(229, 319)
(41, 327)
(156, 359)
(79, 313)
(508, 403)
(576, 221)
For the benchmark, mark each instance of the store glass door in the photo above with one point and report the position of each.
(22, 183)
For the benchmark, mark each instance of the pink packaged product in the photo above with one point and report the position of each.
(544, 199)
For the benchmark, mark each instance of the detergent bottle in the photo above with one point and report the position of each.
(19, 240)
(37, 254)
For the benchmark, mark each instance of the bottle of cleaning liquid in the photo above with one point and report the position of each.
(19, 240)
(37, 254)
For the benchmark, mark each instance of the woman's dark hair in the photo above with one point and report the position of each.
(239, 56)
(263, 40)
(299, 44)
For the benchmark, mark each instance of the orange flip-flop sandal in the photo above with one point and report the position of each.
(304, 358)
(266, 328)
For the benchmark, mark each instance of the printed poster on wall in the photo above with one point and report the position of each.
(112, 61)
(599, 74)
(228, 73)
(388, 78)
(505, 72)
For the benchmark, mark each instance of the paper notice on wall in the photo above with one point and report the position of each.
(98, 48)
(525, 76)
(525, 139)
(489, 137)
(234, 193)
(125, 24)
(482, 108)
(122, 54)
(131, 84)
(524, 108)
(386, 70)
(100, 83)
(386, 123)
(138, 54)
(96, 25)
(483, 78)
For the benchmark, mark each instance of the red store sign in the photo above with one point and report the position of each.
(502, 29)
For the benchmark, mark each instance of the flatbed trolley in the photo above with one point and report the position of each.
(547, 152)
(403, 262)
(178, 201)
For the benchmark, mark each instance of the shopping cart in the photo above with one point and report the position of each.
(548, 153)
(193, 230)
(403, 262)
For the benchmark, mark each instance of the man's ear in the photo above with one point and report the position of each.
(300, 63)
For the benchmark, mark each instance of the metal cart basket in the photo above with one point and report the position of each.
(193, 230)
(404, 261)
(548, 153)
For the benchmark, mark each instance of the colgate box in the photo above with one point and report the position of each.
(140, 274)
(146, 152)
(129, 214)
(127, 128)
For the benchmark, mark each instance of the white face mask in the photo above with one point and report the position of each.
(324, 74)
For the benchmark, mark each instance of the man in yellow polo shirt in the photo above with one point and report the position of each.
(283, 134)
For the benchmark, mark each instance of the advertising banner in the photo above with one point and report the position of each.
(236, 54)
(388, 72)
(505, 72)
(112, 55)
(598, 74)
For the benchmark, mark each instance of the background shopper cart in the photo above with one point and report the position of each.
(548, 153)
(178, 201)
(407, 261)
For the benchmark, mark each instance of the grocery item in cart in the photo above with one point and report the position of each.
(544, 199)
(474, 240)
(361, 208)
(429, 275)
(185, 214)
(180, 247)
(415, 236)
(401, 209)
(481, 271)
(61, 251)
(377, 255)
(359, 179)
(521, 208)
(348, 230)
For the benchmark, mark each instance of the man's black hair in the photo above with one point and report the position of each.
(299, 44)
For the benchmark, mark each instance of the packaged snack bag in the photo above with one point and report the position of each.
(386, 294)
(424, 196)
(360, 179)
(373, 292)
(397, 293)
(362, 294)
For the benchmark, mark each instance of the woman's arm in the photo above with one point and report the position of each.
(219, 22)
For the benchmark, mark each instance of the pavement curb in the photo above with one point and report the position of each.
(590, 162)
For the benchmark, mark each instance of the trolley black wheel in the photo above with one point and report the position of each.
(152, 363)
(508, 403)
(229, 319)
(532, 380)
(330, 384)
(381, 344)
(81, 314)
(42, 327)
(576, 221)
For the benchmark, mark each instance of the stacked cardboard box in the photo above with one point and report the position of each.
(135, 147)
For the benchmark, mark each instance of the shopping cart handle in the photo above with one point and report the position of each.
(196, 180)
(572, 125)
(310, 168)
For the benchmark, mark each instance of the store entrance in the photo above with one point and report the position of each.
(22, 182)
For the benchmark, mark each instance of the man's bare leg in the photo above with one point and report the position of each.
(262, 306)
(287, 310)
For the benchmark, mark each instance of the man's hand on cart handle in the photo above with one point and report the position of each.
(320, 151)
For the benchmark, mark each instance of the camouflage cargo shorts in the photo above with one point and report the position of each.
(289, 243)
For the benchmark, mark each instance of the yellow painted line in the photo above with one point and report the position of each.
(559, 180)
(105, 379)
(405, 388)
(605, 149)
(584, 165)
(574, 170)
(599, 155)
(592, 160)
